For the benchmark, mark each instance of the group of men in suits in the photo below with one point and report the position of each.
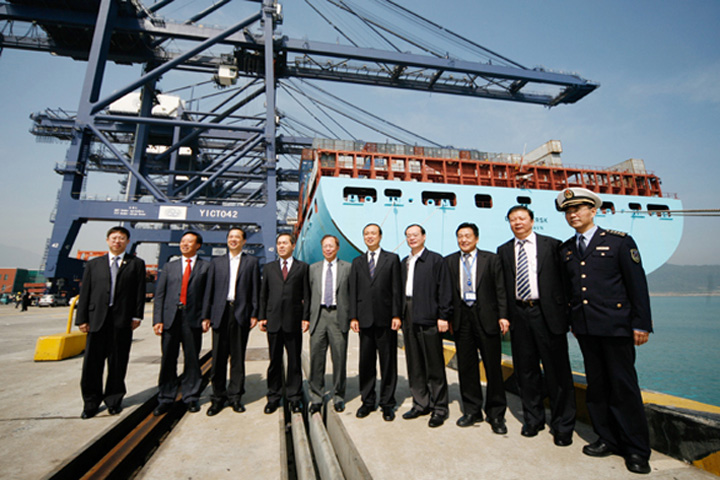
(534, 286)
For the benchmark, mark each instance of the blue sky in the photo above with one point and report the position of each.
(657, 63)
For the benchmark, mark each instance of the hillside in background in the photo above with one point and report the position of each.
(685, 279)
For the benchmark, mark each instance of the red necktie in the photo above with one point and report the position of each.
(185, 281)
(284, 270)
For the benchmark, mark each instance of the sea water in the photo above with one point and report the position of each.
(682, 357)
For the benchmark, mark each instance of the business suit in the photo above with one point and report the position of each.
(476, 328)
(230, 322)
(374, 302)
(431, 301)
(182, 324)
(539, 334)
(608, 300)
(285, 304)
(329, 325)
(110, 327)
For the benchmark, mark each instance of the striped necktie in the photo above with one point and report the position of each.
(371, 264)
(523, 272)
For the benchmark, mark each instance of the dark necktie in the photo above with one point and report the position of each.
(185, 281)
(371, 264)
(114, 267)
(523, 273)
(581, 244)
(285, 270)
(467, 278)
(328, 298)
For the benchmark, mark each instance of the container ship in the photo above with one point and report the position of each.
(345, 185)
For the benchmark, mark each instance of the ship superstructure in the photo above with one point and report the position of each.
(343, 189)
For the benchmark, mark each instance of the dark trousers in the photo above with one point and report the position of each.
(425, 365)
(469, 338)
(378, 342)
(230, 340)
(191, 339)
(291, 342)
(328, 334)
(613, 399)
(533, 343)
(111, 345)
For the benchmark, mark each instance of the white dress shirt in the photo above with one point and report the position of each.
(412, 259)
(234, 267)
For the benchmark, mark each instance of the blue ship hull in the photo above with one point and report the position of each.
(331, 212)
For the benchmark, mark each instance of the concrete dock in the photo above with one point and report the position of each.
(40, 425)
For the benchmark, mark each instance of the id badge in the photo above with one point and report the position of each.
(469, 296)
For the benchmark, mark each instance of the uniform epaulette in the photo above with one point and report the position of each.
(616, 232)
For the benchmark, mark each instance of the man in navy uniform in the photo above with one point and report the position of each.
(610, 315)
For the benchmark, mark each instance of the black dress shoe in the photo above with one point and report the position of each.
(498, 425)
(364, 411)
(162, 408)
(413, 413)
(563, 439)
(193, 406)
(88, 413)
(530, 430)
(436, 420)
(339, 407)
(238, 407)
(270, 407)
(314, 408)
(216, 407)
(597, 449)
(115, 410)
(388, 414)
(296, 407)
(468, 420)
(637, 464)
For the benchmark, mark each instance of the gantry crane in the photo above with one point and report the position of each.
(217, 167)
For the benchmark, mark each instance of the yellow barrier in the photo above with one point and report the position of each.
(61, 345)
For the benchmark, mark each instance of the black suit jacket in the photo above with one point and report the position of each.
(285, 303)
(616, 299)
(129, 302)
(167, 293)
(376, 301)
(432, 296)
(491, 303)
(247, 290)
(553, 302)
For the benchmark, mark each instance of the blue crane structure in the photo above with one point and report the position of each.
(182, 167)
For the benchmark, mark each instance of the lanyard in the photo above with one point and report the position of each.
(468, 272)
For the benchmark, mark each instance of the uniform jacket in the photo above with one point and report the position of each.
(129, 301)
(432, 296)
(247, 290)
(491, 303)
(285, 303)
(607, 285)
(342, 293)
(167, 293)
(553, 302)
(376, 301)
